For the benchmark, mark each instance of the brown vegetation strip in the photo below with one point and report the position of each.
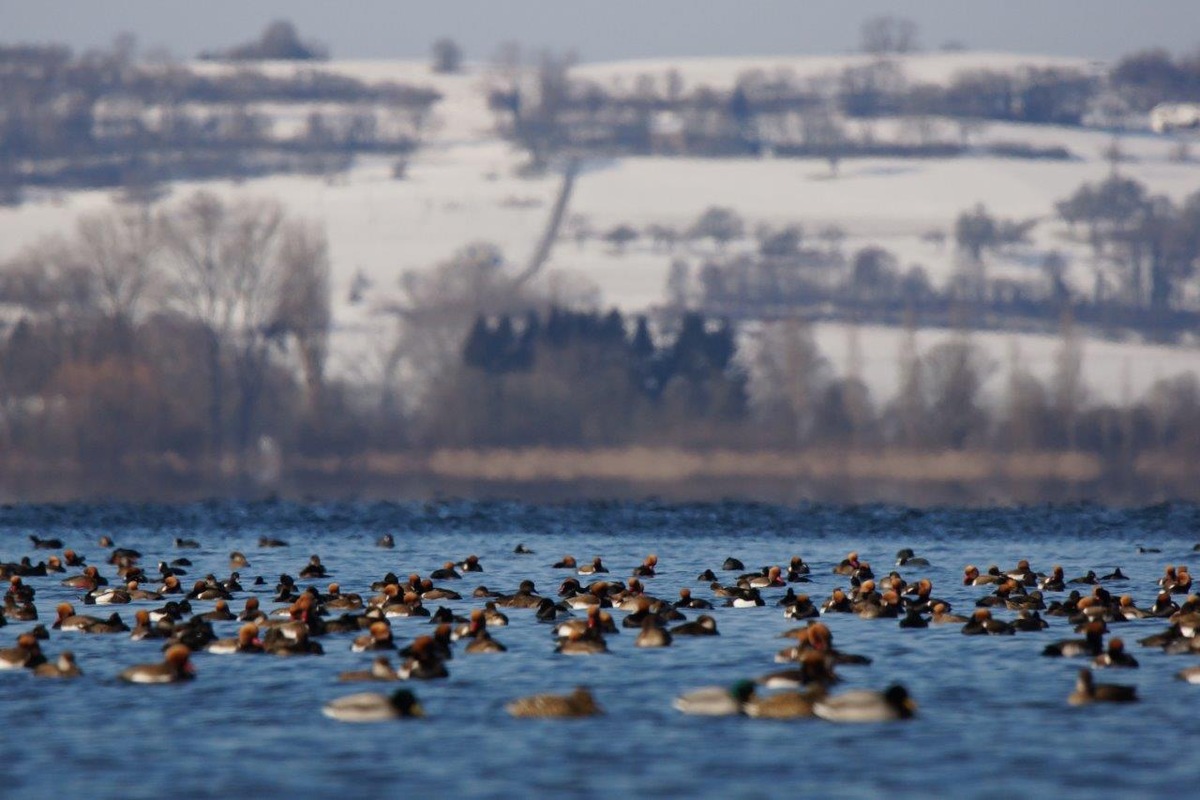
(645, 464)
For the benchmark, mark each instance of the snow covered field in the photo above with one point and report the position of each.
(461, 187)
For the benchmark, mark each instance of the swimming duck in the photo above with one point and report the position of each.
(23, 611)
(771, 579)
(298, 644)
(387, 542)
(247, 641)
(381, 670)
(732, 563)
(470, 564)
(1023, 574)
(595, 568)
(906, 558)
(784, 705)
(549, 611)
(423, 662)
(446, 572)
(1115, 656)
(62, 667)
(45, 544)
(270, 541)
(715, 701)
(803, 608)
(1088, 691)
(862, 705)
(186, 544)
(220, 613)
(88, 580)
(687, 601)
(567, 562)
(797, 568)
(1091, 646)
(26, 654)
(982, 623)
(848, 565)
(175, 667)
(431, 592)
(374, 707)
(377, 637)
(1182, 583)
(703, 625)
(1190, 675)
(646, 568)
(522, 550)
(314, 568)
(652, 634)
(971, 577)
(525, 597)
(578, 703)
(816, 667)
(482, 642)
(838, 603)
(942, 615)
(1029, 620)
(708, 576)
(585, 643)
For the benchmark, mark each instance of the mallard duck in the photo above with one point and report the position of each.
(578, 703)
(715, 701)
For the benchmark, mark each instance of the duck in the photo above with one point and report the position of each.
(470, 564)
(21, 611)
(431, 592)
(298, 644)
(731, 564)
(1055, 581)
(652, 634)
(1115, 656)
(387, 541)
(26, 654)
(377, 637)
(446, 572)
(982, 623)
(1182, 583)
(848, 565)
(1029, 620)
(380, 670)
(971, 577)
(803, 608)
(703, 625)
(482, 642)
(862, 705)
(522, 550)
(374, 707)
(585, 643)
(715, 701)
(1022, 573)
(525, 597)
(88, 580)
(784, 705)
(907, 558)
(1190, 675)
(566, 562)
(942, 615)
(748, 598)
(816, 667)
(579, 703)
(247, 641)
(270, 541)
(45, 544)
(314, 568)
(62, 667)
(647, 568)
(772, 579)
(423, 661)
(1092, 645)
(186, 544)
(176, 666)
(220, 613)
(1088, 691)
(687, 601)
(595, 568)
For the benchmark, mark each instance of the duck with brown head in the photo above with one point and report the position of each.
(175, 667)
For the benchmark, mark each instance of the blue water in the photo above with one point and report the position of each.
(993, 719)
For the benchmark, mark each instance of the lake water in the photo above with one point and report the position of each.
(993, 719)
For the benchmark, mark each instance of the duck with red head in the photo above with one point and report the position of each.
(647, 568)
(1115, 656)
(175, 667)
(848, 565)
(247, 641)
(377, 637)
(423, 662)
(595, 568)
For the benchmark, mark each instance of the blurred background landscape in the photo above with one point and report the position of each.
(773, 250)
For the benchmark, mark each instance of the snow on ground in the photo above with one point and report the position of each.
(462, 187)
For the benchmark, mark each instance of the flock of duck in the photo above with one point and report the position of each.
(583, 614)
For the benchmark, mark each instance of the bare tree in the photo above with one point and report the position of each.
(224, 275)
(888, 34)
(119, 249)
(788, 375)
(303, 303)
